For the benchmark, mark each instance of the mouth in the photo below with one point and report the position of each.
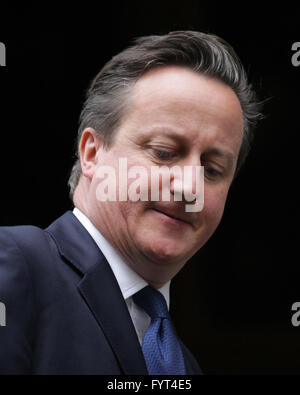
(172, 219)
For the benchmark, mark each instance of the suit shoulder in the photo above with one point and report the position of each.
(24, 245)
(11, 233)
(14, 240)
(22, 236)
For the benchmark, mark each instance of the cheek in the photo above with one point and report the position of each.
(130, 212)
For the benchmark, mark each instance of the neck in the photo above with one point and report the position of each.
(79, 197)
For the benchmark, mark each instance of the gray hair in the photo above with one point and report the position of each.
(107, 97)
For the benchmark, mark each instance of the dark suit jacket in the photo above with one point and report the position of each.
(65, 313)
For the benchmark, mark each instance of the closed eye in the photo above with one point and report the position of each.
(163, 154)
(211, 172)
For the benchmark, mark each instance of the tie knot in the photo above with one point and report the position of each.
(152, 301)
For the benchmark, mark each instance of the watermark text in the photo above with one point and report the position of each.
(154, 183)
(296, 316)
(2, 54)
(2, 314)
(296, 56)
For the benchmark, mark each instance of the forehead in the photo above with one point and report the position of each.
(177, 99)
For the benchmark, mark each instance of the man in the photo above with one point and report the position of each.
(81, 296)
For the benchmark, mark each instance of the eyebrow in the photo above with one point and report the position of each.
(166, 132)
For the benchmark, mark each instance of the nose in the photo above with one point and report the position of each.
(185, 182)
(188, 185)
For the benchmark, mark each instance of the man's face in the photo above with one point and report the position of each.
(175, 117)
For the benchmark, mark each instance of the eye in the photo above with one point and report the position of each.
(211, 172)
(163, 154)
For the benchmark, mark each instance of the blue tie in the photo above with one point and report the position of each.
(161, 348)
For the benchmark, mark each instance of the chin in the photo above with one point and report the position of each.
(165, 252)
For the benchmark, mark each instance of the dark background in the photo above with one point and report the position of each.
(232, 302)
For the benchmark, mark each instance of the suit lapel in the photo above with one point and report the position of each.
(100, 291)
(102, 294)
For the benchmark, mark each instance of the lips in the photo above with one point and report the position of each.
(172, 215)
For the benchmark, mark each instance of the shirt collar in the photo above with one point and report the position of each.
(129, 281)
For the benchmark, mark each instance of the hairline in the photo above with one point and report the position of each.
(129, 96)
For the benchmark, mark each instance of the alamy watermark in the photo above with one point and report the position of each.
(2, 54)
(296, 56)
(296, 316)
(156, 183)
(2, 314)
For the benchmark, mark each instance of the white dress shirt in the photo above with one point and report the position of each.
(129, 281)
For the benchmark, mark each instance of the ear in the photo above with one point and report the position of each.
(89, 144)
